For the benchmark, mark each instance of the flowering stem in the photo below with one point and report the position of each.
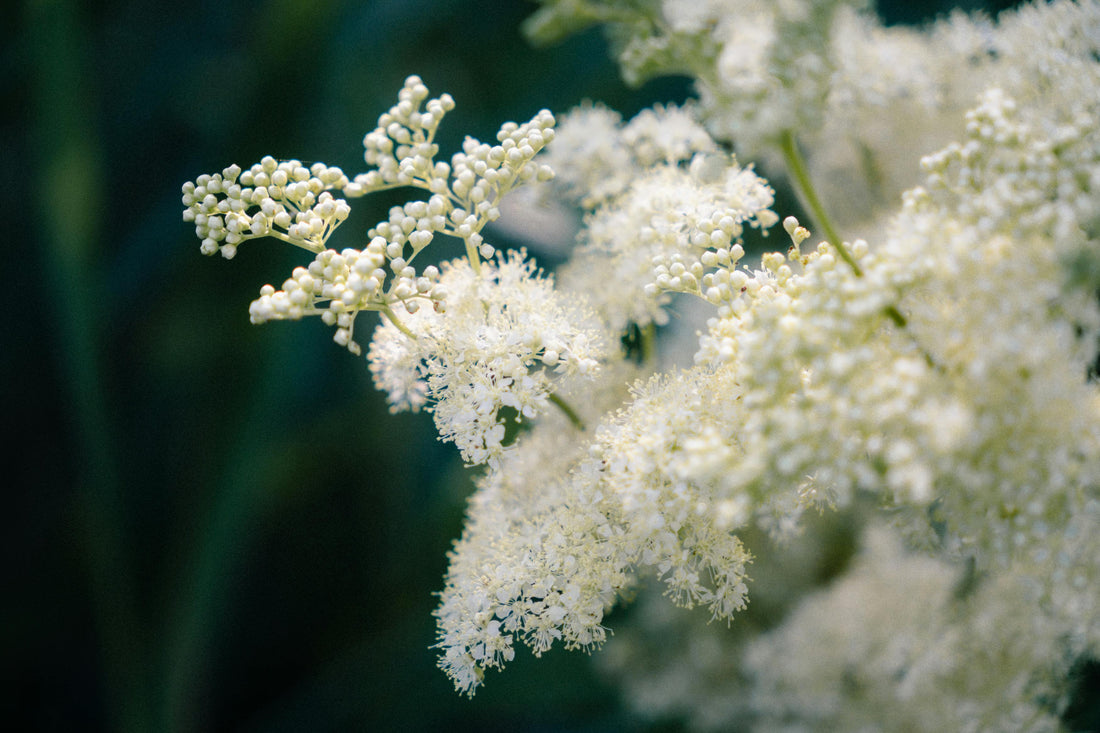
(568, 411)
(392, 317)
(895, 315)
(797, 167)
(648, 344)
(805, 186)
(472, 256)
(284, 237)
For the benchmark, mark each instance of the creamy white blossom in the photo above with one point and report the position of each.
(595, 157)
(944, 366)
(666, 218)
(555, 535)
(901, 643)
(502, 335)
(941, 367)
(293, 203)
(887, 639)
(284, 199)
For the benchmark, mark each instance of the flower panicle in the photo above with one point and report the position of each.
(297, 204)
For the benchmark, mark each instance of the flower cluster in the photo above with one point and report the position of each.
(596, 158)
(284, 199)
(466, 193)
(897, 627)
(659, 227)
(505, 331)
(943, 367)
(902, 628)
(761, 67)
(656, 193)
(931, 353)
(293, 203)
(556, 535)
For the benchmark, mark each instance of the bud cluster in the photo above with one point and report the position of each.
(284, 199)
(291, 202)
(466, 193)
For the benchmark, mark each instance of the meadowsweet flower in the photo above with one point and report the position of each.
(925, 644)
(760, 67)
(666, 134)
(595, 157)
(466, 193)
(495, 345)
(541, 557)
(665, 219)
(915, 654)
(671, 665)
(590, 159)
(293, 203)
(943, 367)
(554, 537)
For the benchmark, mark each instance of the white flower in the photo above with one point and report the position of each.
(590, 159)
(915, 653)
(669, 135)
(291, 202)
(557, 528)
(495, 344)
(942, 368)
(595, 157)
(665, 219)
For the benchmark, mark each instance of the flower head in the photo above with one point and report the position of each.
(498, 343)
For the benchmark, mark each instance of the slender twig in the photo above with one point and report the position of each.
(569, 412)
(647, 343)
(797, 167)
(392, 318)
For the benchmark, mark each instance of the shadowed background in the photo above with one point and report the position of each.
(211, 526)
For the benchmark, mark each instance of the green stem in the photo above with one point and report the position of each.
(392, 317)
(647, 343)
(801, 176)
(473, 256)
(797, 167)
(895, 315)
(569, 412)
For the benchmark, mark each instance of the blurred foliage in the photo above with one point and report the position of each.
(211, 526)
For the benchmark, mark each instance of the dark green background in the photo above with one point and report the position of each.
(210, 526)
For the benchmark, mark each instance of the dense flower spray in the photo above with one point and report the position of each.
(927, 367)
